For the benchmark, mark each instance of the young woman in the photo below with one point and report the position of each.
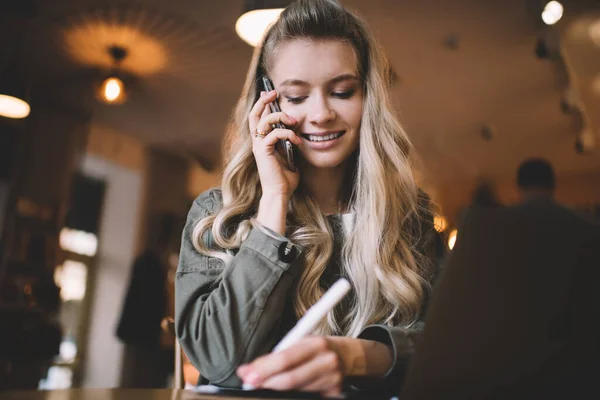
(261, 250)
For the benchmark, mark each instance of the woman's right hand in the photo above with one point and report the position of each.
(276, 180)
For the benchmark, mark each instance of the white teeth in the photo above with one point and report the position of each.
(317, 138)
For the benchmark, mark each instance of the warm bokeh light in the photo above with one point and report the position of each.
(594, 32)
(439, 223)
(12, 107)
(112, 90)
(588, 139)
(68, 351)
(452, 239)
(252, 25)
(71, 277)
(552, 13)
(86, 42)
(596, 85)
(78, 242)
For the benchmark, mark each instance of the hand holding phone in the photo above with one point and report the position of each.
(285, 146)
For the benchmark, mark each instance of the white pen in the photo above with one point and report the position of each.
(313, 316)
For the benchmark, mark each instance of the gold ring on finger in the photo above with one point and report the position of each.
(258, 133)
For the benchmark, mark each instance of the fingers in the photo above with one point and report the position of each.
(328, 386)
(265, 367)
(262, 119)
(265, 112)
(259, 107)
(279, 134)
(319, 374)
(268, 120)
(273, 363)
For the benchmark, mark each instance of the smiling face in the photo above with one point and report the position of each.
(318, 85)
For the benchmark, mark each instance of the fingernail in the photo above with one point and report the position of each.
(293, 119)
(272, 91)
(252, 378)
(262, 94)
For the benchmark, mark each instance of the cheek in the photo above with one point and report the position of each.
(354, 116)
(294, 112)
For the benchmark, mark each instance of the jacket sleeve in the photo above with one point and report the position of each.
(229, 315)
(402, 342)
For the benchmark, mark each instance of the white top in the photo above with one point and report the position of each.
(347, 222)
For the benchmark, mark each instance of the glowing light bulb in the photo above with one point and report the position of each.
(439, 223)
(452, 239)
(251, 26)
(552, 13)
(594, 32)
(112, 90)
(12, 107)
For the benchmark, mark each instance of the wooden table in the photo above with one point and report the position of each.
(112, 394)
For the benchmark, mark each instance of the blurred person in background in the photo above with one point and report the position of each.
(536, 182)
(483, 196)
(149, 350)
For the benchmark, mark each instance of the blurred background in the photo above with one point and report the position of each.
(123, 109)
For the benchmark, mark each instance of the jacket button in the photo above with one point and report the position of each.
(286, 254)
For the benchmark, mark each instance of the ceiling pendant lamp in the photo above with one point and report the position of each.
(112, 90)
(13, 94)
(553, 12)
(257, 17)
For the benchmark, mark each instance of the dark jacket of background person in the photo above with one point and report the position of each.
(149, 354)
(526, 278)
(145, 302)
(483, 196)
(146, 364)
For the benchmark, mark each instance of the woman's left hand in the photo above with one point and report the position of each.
(314, 364)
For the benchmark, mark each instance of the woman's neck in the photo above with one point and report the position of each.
(325, 186)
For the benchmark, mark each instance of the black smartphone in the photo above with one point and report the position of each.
(284, 146)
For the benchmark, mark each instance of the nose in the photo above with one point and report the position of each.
(320, 111)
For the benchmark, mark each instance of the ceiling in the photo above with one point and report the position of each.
(464, 66)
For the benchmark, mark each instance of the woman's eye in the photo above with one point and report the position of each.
(343, 95)
(295, 100)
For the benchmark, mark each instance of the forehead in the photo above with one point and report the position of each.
(313, 60)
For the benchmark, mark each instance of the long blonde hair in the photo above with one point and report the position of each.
(381, 255)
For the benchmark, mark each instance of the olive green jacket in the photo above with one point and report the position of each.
(228, 315)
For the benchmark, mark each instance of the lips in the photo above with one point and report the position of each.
(323, 136)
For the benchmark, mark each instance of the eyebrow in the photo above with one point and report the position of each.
(337, 79)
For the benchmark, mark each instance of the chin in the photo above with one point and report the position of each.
(325, 159)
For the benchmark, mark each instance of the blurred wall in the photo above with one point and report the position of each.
(173, 182)
(167, 183)
(52, 143)
(143, 183)
(120, 161)
(43, 158)
(200, 180)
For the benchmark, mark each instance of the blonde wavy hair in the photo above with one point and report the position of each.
(380, 256)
